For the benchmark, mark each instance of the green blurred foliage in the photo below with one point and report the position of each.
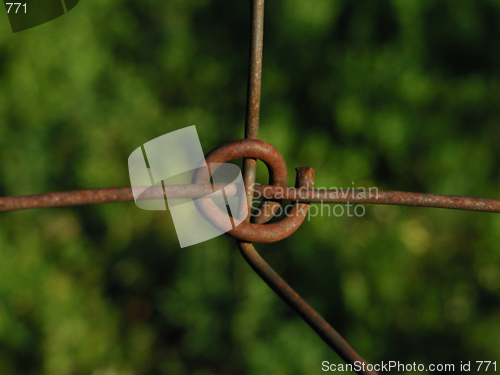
(398, 95)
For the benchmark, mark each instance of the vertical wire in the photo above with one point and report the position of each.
(253, 94)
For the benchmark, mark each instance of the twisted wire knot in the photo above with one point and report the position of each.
(245, 230)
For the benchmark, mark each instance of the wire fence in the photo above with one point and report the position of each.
(256, 227)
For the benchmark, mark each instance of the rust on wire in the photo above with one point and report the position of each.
(254, 88)
(324, 330)
(272, 232)
(255, 70)
(124, 194)
(304, 180)
(303, 194)
(401, 198)
(247, 231)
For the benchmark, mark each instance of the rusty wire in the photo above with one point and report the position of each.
(253, 91)
(301, 307)
(247, 231)
(248, 251)
(302, 194)
(124, 194)
(304, 179)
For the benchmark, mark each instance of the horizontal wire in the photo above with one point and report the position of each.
(380, 197)
(194, 191)
(123, 194)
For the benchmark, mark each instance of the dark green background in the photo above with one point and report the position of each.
(401, 95)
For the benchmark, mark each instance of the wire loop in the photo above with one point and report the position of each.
(245, 231)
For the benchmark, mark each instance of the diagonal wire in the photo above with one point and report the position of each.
(324, 330)
(304, 179)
